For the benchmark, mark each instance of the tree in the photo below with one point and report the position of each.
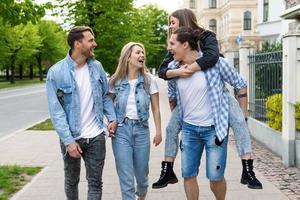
(53, 44)
(116, 23)
(20, 12)
(156, 20)
(23, 43)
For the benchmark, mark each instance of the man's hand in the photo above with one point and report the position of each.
(172, 105)
(183, 71)
(74, 150)
(157, 139)
(111, 127)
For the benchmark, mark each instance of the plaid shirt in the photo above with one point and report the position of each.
(216, 77)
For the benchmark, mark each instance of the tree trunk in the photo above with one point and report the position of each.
(12, 68)
(7, 73)
(39, 59)
(21, 71)
(31, 71)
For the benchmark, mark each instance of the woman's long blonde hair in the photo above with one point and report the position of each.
(122, 68)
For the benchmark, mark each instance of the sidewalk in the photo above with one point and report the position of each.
(38, 148)
(32, 148)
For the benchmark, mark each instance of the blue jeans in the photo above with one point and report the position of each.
(131, 148)
(193, 141)
(236, 122)
(93, 156)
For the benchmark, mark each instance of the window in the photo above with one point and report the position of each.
(247, 20)
(266, 10)
(192, 4)
(212, 3)
(213, 25)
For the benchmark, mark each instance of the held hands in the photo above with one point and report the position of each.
(157, 139)
(111, 127)
(74, 150)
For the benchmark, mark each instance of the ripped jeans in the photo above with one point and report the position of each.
(236, 122)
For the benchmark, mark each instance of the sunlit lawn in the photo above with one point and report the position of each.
(43, 126)
(13, 178)
(19, 83)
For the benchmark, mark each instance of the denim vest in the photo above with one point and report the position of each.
(142, 99)
(64, 100)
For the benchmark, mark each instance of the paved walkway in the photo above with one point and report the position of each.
(35, 148)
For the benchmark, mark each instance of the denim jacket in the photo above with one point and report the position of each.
(64, 100)
(142, 99)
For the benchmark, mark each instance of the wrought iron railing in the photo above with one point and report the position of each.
(265, 76)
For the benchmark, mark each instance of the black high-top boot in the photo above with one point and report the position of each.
(248, 175)
(167, 176)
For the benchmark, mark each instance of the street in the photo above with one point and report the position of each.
(21, 107)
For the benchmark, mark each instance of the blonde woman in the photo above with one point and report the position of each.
(133, 90)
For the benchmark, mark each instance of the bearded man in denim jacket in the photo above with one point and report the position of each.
(78, 99)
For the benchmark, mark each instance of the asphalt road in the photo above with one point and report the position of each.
(21, 107)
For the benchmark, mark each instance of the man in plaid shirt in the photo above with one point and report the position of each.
(202, 103)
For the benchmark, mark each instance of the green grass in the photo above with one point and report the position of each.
(43, 126)
(19, 83)
(13, 178)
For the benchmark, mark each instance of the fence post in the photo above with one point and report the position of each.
(290, 95)
(244, 52)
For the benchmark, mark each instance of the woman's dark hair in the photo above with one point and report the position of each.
(186, 34)
(187, 18)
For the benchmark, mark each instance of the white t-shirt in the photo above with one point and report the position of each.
(131, 111)
(195, 103)
(88, 122)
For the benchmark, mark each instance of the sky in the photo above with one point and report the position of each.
(168, 5)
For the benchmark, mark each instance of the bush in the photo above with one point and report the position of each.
(274, 111)
(297, 116)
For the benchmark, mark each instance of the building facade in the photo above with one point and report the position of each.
(271, 27)
(234, 22)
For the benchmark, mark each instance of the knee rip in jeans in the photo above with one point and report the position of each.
(180, 145)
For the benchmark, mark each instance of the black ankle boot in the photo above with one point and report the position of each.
(167, 176)
(248, 175)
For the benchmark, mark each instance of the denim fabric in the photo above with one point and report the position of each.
(236, 121)
(239, 126)
(64, 100)
(131, 148)
(193, 141)
(93, 156)
(172, 131)
(142, 99)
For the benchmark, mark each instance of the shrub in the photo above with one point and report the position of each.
(274, 111)
(297, 116)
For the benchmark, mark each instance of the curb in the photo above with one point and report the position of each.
(28, 185)
(21, 129)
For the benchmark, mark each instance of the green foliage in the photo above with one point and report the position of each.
(274, 111)
(116, 23)
(20, 12)
(53, 44)
(270, 47)
(297, 115)
(13, 178)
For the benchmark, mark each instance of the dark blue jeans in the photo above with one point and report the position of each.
(93, 156)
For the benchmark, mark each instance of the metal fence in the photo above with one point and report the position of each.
(265, 80)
